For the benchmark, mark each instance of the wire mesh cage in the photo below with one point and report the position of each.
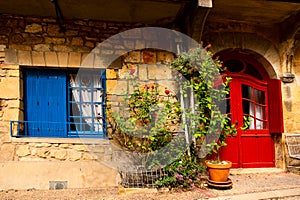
(139, 177)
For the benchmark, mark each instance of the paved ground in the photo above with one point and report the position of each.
(267, 185)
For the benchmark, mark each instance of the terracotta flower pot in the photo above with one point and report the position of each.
(218, 172)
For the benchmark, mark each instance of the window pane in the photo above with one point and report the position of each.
(259, 96)
(87, 104)
(246, 92)
(260, 112)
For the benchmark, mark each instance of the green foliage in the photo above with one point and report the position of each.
(149, 118)
(184, 173)
(155, 112)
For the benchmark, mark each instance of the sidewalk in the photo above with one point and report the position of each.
(248, 184)
(269, 183)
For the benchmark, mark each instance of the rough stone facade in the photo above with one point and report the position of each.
(39, 43)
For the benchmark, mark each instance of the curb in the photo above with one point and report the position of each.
(275, 194)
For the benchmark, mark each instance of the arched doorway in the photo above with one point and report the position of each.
(254, 95)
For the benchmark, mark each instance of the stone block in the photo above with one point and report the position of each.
(38, 58)
(132, 34)
(17, 38)
(39, 145)
(11, 114)
(97, 149)
(3, 39)
(7, 152)
(163, 57)
(60, 154)
(2, 47)
(77, 41)
(51, 59)
(74, 59)
(11, 56)
(34, 40)
(129, 44)
(33, 28)
(110, 86)
(63, 58)
(54, 30)
(89, 44)
(74, 155)
(65, 146)
(170, 85)
(10, 88)
(24, 57)
(43, 153)
(20, 47)
(98, 24)
(149, 57)
(13, 103)
(41, 47)
(111, 74)
(13, 73)
(88, 156)
(71, 33)
(23, 150)
(133, 57)
(55, 40)
(143, 72)
(87, 60)
(62, 48)
(80, 147)
(140, 44)
(158, 72)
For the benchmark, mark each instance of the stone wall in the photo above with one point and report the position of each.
(36, 42)
(39, 43)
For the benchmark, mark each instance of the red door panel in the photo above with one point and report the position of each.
(255, 146)
(226, 153)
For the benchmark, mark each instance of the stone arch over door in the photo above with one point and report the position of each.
(263, 50)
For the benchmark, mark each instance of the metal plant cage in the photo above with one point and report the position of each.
(139, 177)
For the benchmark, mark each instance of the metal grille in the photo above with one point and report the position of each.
(19, 128)
(138, 177)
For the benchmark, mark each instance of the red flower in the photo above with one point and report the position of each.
(132, 71)
(152, 86)
(167, 92)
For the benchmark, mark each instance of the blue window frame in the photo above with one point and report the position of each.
(62, 104)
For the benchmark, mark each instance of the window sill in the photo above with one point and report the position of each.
(61, 140)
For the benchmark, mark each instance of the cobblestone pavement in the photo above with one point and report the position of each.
(243, 184)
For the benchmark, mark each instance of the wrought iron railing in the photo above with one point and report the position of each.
(20, 128)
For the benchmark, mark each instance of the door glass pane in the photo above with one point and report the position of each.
(261, 124)
(246, 92)
(246, 107)
(260, 112)
(259, 96)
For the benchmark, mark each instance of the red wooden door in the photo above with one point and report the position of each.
(255, 146)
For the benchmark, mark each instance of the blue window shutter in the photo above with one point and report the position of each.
(45, 103)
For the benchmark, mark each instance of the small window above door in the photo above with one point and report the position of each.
(241, 66)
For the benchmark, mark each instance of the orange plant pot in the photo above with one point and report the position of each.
(218, 172)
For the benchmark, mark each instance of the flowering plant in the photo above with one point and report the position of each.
(150, 117)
